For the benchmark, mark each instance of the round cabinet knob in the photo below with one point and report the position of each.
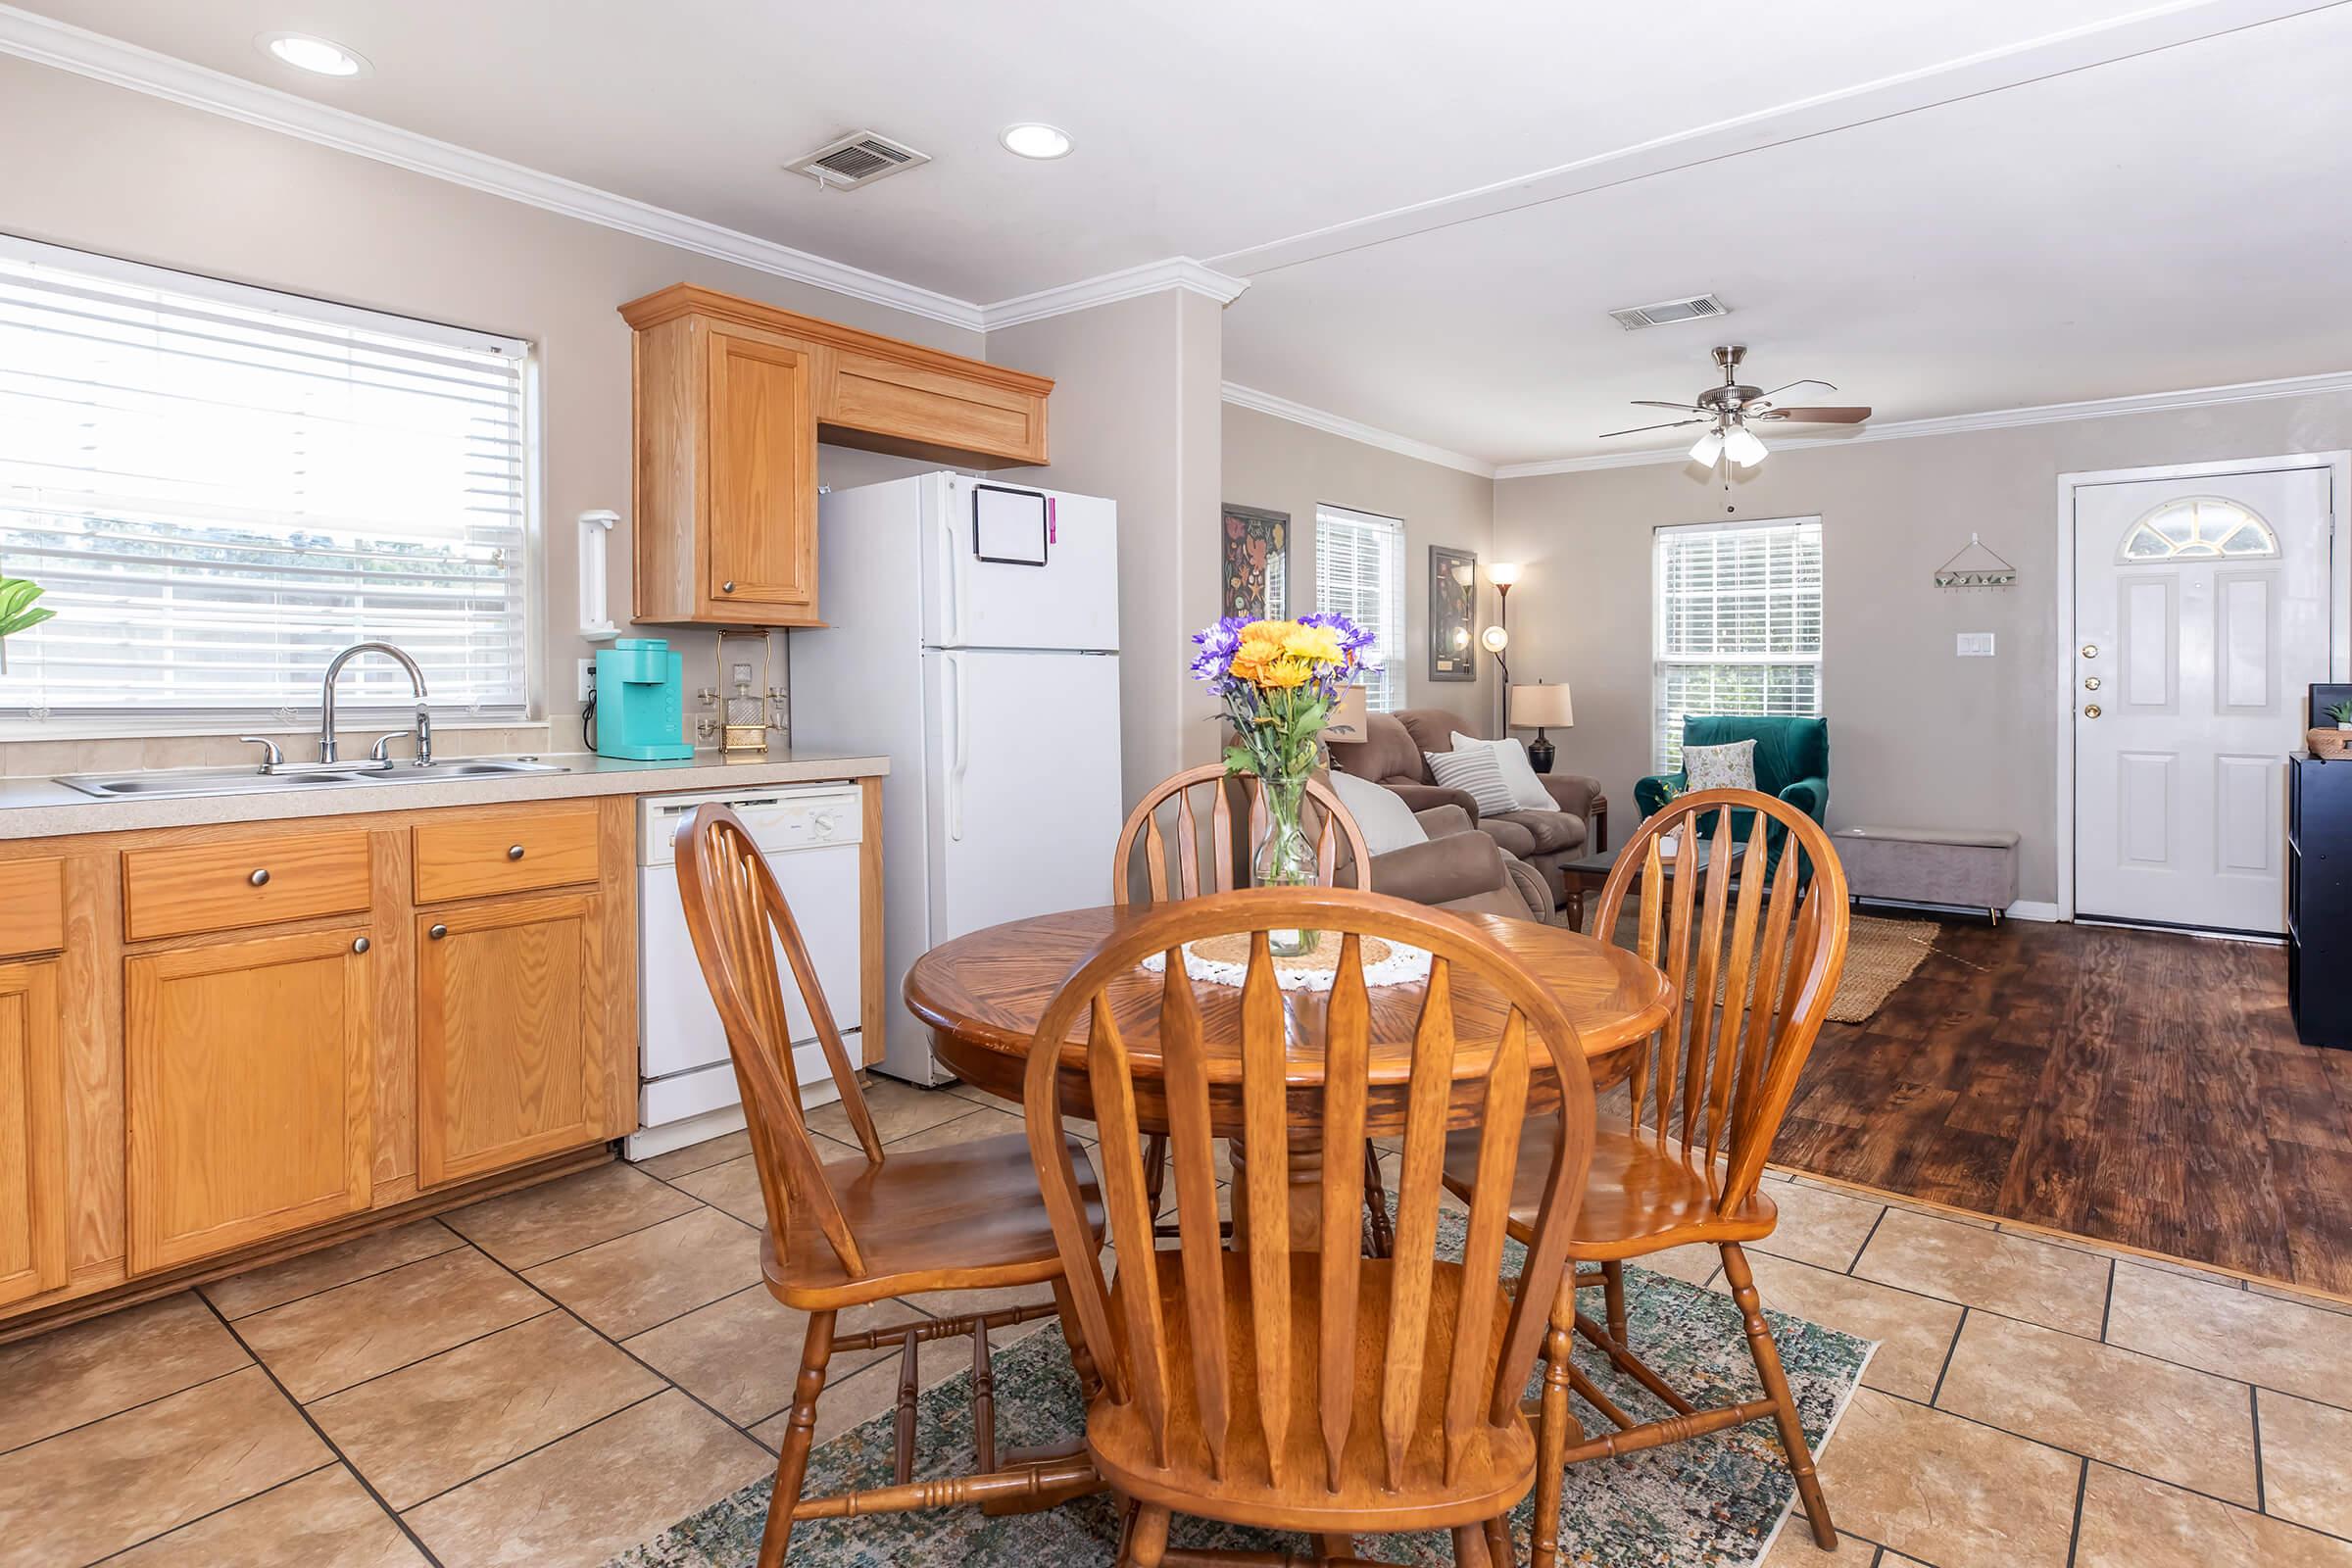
(259, 877)
(514, 852)
(438, 932)
(2090, 683)
(726, 587)
(2090, 650)
(2091, 710)
(359, 944)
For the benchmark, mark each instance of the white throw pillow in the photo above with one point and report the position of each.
(1528, 793)
(1477, 773)
(1387, 822)
(1719, 767)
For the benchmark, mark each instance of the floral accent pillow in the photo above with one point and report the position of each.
(1719, 767)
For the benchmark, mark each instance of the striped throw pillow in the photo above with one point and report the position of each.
(1478, 775)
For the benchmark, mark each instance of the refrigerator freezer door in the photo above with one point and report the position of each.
(1008, 567)
(1024, 759)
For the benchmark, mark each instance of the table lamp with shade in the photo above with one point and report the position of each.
(1536, 708)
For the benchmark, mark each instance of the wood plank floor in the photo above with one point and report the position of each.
(2139, 1087)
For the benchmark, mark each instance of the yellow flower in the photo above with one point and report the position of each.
(1317, 643)
(1266, 658)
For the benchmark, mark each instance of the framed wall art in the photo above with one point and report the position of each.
(1452, 614)
(1256, 556)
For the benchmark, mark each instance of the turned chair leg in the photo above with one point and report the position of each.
(1554, 1425)
(1470, 1546)
(1082, 1360)
(1330, 1548)
(1147, 1537)
(1612, 1288)
(1155, 1170)
(1376, 1204)
(792, 1465)
(1775, 1389)
(1499, 1552)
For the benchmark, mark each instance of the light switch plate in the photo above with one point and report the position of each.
(1973, 645)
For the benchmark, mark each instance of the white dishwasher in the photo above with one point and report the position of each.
(809, 835)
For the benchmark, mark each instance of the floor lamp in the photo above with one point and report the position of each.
(1498, 637)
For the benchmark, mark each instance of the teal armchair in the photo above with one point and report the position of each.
(1793, 763)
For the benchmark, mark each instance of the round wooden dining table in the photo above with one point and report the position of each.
(982, 996)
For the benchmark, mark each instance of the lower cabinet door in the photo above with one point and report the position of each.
(248, 1070)
(509, 1033)
(32, 1133)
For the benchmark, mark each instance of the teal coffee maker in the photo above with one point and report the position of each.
(641, 701)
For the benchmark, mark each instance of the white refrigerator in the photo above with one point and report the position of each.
(973, 640)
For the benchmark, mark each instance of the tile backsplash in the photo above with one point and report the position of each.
(38, 758)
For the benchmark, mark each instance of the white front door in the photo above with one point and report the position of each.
(2200, 616)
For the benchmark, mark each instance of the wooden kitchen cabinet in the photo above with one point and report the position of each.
(249, 1081)
(511, 1048)
(33, 1132)
(731, 399)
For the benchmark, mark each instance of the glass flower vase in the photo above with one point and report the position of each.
(1284, 857)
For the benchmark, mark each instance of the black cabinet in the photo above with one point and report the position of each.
(2318, 899)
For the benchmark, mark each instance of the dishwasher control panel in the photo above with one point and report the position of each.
(788, 816)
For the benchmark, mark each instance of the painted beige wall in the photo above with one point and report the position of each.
(1917, 736)
(134, 176)
(1280, 465)
(1135, 418)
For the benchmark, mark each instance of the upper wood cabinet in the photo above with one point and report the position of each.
(249, 1076)
(33, 1132)
(731, 399)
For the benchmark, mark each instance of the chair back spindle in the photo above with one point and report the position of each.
(739, 920)
(1323, 817)
(1717, 1079)
(1250, 1364)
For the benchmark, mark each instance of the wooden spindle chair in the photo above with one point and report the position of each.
(1323, 1393)
(1708, 1095)
(966, 1216)
(1144, 847)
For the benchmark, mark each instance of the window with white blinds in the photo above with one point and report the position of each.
(219, 487)
(1738, 623)
(1360, 573)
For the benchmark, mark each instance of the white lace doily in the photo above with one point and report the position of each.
(1402, 967)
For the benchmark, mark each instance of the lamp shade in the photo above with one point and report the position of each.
(1495, 639)
(1503, 573)
(1541, 707)
(1346, 722)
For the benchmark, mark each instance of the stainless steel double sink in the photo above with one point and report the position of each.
(169, 783)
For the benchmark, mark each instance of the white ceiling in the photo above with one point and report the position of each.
(2162, 220)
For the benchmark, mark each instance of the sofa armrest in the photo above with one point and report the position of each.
(1649, 794)
(1810, 796)
(1445, 821)
(1458, 866)
(1421, 797)
(1573, 793)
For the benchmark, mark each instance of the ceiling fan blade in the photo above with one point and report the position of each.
(1810, 380)
(1653, 403)
(1816, 416)
(1670, 424)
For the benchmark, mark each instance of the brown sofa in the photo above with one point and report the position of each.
(1391, 755)
(1461, 868)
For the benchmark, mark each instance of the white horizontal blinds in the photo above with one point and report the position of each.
(219, 487)
(1738, 623)
(1360, 573)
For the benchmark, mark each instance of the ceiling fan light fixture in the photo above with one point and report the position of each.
(1742, 448)
(1706, 449)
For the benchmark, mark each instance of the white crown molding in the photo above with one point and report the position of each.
(1177, 271)
(1245, 396)
(2201, 397)
(49, 42)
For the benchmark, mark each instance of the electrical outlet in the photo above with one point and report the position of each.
(587, 679)
(1972, 645)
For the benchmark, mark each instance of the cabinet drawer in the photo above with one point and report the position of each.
(32, 906)
(219, 887)
(507, 854)
(935, 408)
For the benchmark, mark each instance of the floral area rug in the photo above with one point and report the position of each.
(1713, 1503)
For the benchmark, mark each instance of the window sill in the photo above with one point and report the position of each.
(24, 731)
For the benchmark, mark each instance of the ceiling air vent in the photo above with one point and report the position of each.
(860, 158)
(1633, 317)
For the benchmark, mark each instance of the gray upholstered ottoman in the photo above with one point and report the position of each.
(1930, 865)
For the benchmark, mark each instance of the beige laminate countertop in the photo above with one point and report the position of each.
(39, 808)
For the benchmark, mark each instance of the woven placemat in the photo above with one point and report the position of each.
(1234, 947)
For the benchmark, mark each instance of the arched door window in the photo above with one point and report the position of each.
(2198, 526)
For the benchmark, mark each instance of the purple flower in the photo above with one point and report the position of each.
(1354, 639)
(1218, 644)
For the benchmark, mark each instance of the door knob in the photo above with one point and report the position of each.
(438, 932)
(2090, 683)
(2090, 650)
(2091, 710)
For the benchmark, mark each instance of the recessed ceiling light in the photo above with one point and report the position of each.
(315, 55)
(1032, 141)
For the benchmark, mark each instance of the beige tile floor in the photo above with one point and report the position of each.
(549, 1377)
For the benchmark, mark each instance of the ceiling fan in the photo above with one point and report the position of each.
(1727, 410)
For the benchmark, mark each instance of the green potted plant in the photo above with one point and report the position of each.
(2341, 713)
(18, 611)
